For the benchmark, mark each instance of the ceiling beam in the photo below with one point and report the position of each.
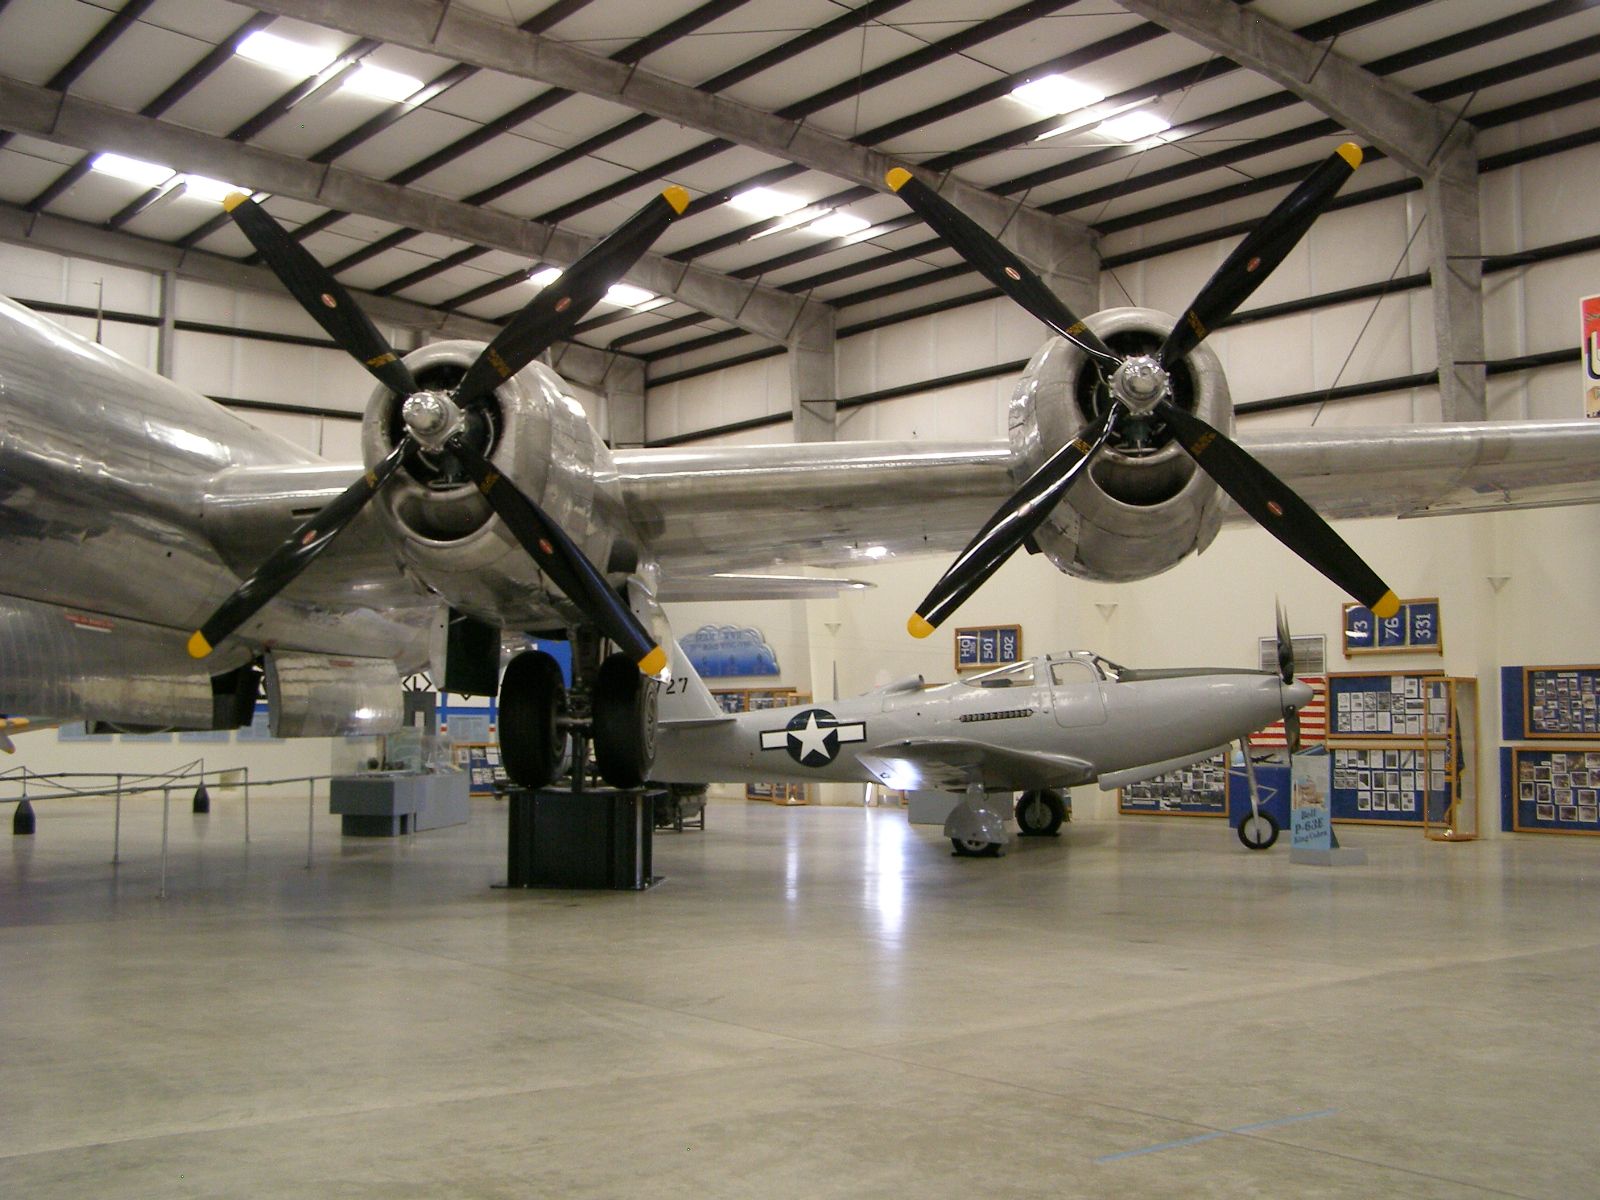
(1410, 131)
(1437, 146)
(601, 370)
(71, 121)
(1057, 247)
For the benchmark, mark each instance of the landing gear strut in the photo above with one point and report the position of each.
(977, 826)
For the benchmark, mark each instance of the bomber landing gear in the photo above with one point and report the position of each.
(614, 705)
(533, 707)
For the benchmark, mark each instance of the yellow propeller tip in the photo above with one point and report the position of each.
(897, 178)
(1351, 153)
(198, 646)
(677, 197)
(918, 627)
(233, 199)
(1386, 607)
(655, 662)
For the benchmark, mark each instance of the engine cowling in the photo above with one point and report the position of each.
(534, 433)
(1144, 504)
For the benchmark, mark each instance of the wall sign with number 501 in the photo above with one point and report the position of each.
(1415, 629)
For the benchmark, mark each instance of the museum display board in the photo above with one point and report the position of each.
(1198, 790)
(1405, 751)
(1548, 788)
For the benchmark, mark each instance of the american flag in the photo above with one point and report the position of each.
(1313, 720)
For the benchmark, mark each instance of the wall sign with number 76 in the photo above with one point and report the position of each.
(1415, 629)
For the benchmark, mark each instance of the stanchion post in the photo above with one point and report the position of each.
(116, 825)
(311, 813)
(166, 806)
(247, 806)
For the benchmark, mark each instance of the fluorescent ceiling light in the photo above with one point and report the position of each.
(382, 83)
(1134, 126)
(625, 295)
(200, 187)
(838, 224)
(545, 277)
(134, 170)
(281, 54)
(1056, 94)
(766, 202)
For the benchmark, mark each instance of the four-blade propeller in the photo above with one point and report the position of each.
(433, 420)
(1138, 386)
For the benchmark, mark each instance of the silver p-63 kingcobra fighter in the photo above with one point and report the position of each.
(1045, 723)
(159, 556)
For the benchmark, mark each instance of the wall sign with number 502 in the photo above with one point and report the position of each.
(1415, 629)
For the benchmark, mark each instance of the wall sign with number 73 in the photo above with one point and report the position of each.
(1415, 629)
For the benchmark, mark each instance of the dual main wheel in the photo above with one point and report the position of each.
(533, 708)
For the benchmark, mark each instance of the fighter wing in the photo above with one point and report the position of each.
(952, 764)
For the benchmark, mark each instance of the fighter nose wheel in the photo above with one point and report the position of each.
(1258, 831)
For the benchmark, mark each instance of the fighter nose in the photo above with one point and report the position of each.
(1295, 696)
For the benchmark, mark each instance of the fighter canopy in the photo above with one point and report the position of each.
(435, 423)
(1139, 385)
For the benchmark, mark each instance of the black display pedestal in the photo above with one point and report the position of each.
(598, 838)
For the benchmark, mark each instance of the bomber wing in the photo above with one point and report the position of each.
(952, 764)
(725, 508)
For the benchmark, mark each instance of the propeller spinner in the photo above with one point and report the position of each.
(1139, 385)
(434, 421)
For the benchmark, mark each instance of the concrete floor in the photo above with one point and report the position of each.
(816, 1002)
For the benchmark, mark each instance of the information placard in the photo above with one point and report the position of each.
(984, 646)
(1415, 629)
(1386, 706)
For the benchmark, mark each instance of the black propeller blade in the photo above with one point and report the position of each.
(548, 317)
(295, 555)
(556, 309)
(1291, 720)
(1009, 528)
(320, 294)
(997, 264)
(1253, 259)
(1255, 489)
(1278, 509)
(559, 557)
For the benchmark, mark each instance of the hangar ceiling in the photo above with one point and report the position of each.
(441, 153)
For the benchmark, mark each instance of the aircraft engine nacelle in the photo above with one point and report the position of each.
(1144, 504)
(536, 435)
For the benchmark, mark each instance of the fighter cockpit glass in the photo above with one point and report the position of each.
(1011, 675)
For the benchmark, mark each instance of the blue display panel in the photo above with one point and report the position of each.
(1550, 789)
(1415, 628)
(1198, 790)
(1387, 706)
(988, 646)
(1390, 784)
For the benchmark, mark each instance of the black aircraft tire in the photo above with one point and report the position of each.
(1255, 839)
(624, 722)
(533, 699)
(1041, 813)
(969, 848)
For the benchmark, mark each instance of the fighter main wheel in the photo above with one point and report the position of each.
(533, 699)
(1040, 813)
(624, 706)
(1258, 833)
(975, 848)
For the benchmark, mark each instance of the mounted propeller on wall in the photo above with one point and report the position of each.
(1139, 385)
(438, 422)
